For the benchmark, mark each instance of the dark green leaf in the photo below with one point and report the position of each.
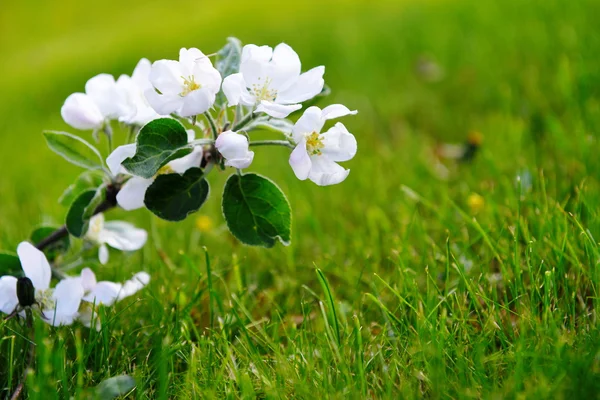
(74, 149)
(173, 197)
(114, 387)
(10, 264)
(267, 123)
(228, 62)
(256, 210)
(158, 142)
(79, 214)
(87, 180)
(55, 249)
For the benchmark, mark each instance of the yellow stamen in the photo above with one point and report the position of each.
(314, 144)
(189, 85)
(263, 92)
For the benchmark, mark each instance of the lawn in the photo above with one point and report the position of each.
(419, 276)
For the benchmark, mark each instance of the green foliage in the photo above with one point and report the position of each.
(87, 180)
(9, 264)
(173, 196)
(228, 62)
(267, 123)
(256, 210)
(74, 149)
(82, 210)
(158, 142)
(114, 387)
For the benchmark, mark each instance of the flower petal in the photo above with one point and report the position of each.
(166, 76)
(103, 254)
(300, 161)
(284, 68)
(336, 111)
(236, 91)
(116, 158)
(131, 196)
(80, 111)
(8, 294)
(134, 285)
(191, 160)
(105, 93)
(163, 104)
(311, 121)
(104, 292)
(325, 172)
(35, 265)
(141, 74)
(307, 86)
(339, 144)
(197, 102)
(207, 76)
(124, 236)
(234, 148)
(277, 110)
(67, 296)
(88, 279)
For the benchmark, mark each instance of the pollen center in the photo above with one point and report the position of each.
(189, 85)
(165, 170)
(44, 299)
(262, 91)
(314, 143)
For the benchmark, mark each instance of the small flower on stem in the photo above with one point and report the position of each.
(316, 154)
(271, 80)
(119, 235)
(234, 147)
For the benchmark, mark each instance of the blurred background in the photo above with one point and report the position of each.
(522, 75)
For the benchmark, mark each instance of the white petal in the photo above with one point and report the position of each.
(141, 74)
(103, 90)
(284, 68)
(190, 58)
(255, 64)
(307, 86)
(192, 160)
(325, 172)
(242, 162)
(116, 158)
(311, 121)
(88, 279)
(103, 254)
(124, 236)
(163, 104)
(131, 195)
(67, 296)
(104, 293)
(300, 161)
(167, 77)
(81, 112)
(134, 285)
(339, 144)
(336, 111)
(207, 76)
(277, 110)
(234, 148)
(258, 53)
(8, 294)
(233, 87)
(197, 102)
(191, 135)
(35, 265)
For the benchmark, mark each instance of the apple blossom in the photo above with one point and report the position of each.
(103, 100)
(58, 306)
(133, 88)
(131, 196)
(316, 153)
(119, 235)
(271, 80)
(187, 87)
(234, 148)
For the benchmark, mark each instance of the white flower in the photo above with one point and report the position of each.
(271, 80)
(116, 234)
(316, 153)
(187, 87)
(133, 87)
(103, 100)
(58, 306)
(234, 147)
(131, 196)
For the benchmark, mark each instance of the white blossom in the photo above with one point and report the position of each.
(119, 235)
(316, 154)
(186, 87)
(234, 147)
(271, 80)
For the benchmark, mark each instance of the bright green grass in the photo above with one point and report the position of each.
(422, 298)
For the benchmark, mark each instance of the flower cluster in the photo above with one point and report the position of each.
(72, 299)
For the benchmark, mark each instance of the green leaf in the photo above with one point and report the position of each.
(87, 180)
(228, 62)
(55, 249)
(74, 149)
(256, 210)
(114, 387)
(267, 123)
(173, 197)
(10, 264)
(82, 210)
(158, 142)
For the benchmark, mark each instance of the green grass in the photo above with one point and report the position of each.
(393, 287)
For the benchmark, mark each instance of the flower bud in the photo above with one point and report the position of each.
(25, 292)
(234, 148)
(81, 112)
